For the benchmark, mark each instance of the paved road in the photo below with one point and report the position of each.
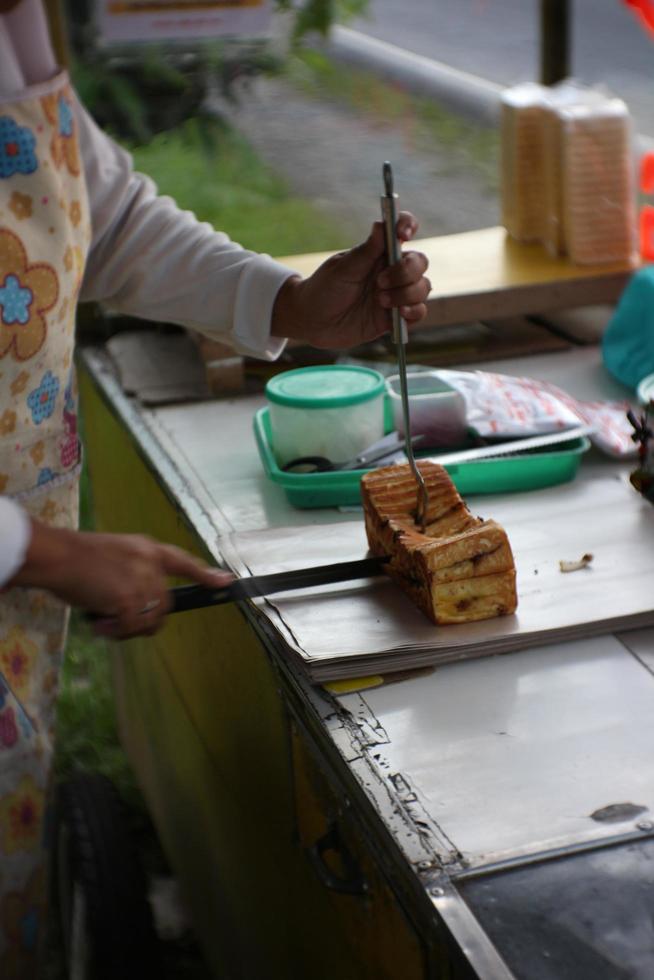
(332, 155)
(498, 40)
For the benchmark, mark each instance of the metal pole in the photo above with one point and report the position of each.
(554, 40)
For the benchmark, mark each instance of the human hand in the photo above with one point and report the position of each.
(347, 301)
(120, 577)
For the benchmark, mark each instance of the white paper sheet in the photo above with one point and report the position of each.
(357, 628)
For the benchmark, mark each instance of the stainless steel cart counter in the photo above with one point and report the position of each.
(488, 819)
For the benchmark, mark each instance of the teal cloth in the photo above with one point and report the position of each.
(628, 343)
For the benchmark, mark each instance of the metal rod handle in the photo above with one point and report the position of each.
(400, 338)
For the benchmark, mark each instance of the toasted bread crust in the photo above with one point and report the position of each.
(461, 568)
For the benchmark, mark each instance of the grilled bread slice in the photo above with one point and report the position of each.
(461, 568)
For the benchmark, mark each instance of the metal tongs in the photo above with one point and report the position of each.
(400, 339)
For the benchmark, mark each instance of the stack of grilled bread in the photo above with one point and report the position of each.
(460, 568)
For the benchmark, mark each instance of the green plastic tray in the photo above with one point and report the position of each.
(527, 471)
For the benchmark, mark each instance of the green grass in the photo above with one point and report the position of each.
(425, 123)
(211, 170)
(87, 736)
(87, 723)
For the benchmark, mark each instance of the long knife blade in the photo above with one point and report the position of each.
(187, 597)
(513, 446)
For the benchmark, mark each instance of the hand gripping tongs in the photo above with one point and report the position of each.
(400, 339)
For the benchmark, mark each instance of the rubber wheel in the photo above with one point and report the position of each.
(101, 892)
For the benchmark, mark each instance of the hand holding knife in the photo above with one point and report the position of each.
(186, 597)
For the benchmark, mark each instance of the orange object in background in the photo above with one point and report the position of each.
(647, 233)
(646, 221)
(644, 11)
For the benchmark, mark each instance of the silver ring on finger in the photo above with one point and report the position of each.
(149, 607)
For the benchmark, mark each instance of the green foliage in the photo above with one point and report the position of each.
(211, 170)
(319, 15)
(423, 120)
(134, 99)
(87, 740)
(114, 101)
(87, 737)
(148, 88)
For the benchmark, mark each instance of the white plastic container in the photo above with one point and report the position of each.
(436, 411)
(331, 410)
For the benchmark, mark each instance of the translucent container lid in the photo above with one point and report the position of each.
(325, 386)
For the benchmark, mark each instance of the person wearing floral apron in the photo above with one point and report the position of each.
(44, 237)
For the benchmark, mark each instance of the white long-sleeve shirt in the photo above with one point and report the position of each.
(147, 257)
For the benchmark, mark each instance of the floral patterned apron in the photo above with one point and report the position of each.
(44, 237)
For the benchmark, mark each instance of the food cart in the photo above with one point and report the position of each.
(487, 818)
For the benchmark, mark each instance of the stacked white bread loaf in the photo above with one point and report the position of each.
(523, 160)
(560, 98)
(567, 172)
(598, 205)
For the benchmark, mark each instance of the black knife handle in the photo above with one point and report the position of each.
(186, 597)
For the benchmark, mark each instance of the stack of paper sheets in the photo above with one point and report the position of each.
(371, 627)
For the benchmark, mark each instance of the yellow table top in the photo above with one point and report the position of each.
(485, 274)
